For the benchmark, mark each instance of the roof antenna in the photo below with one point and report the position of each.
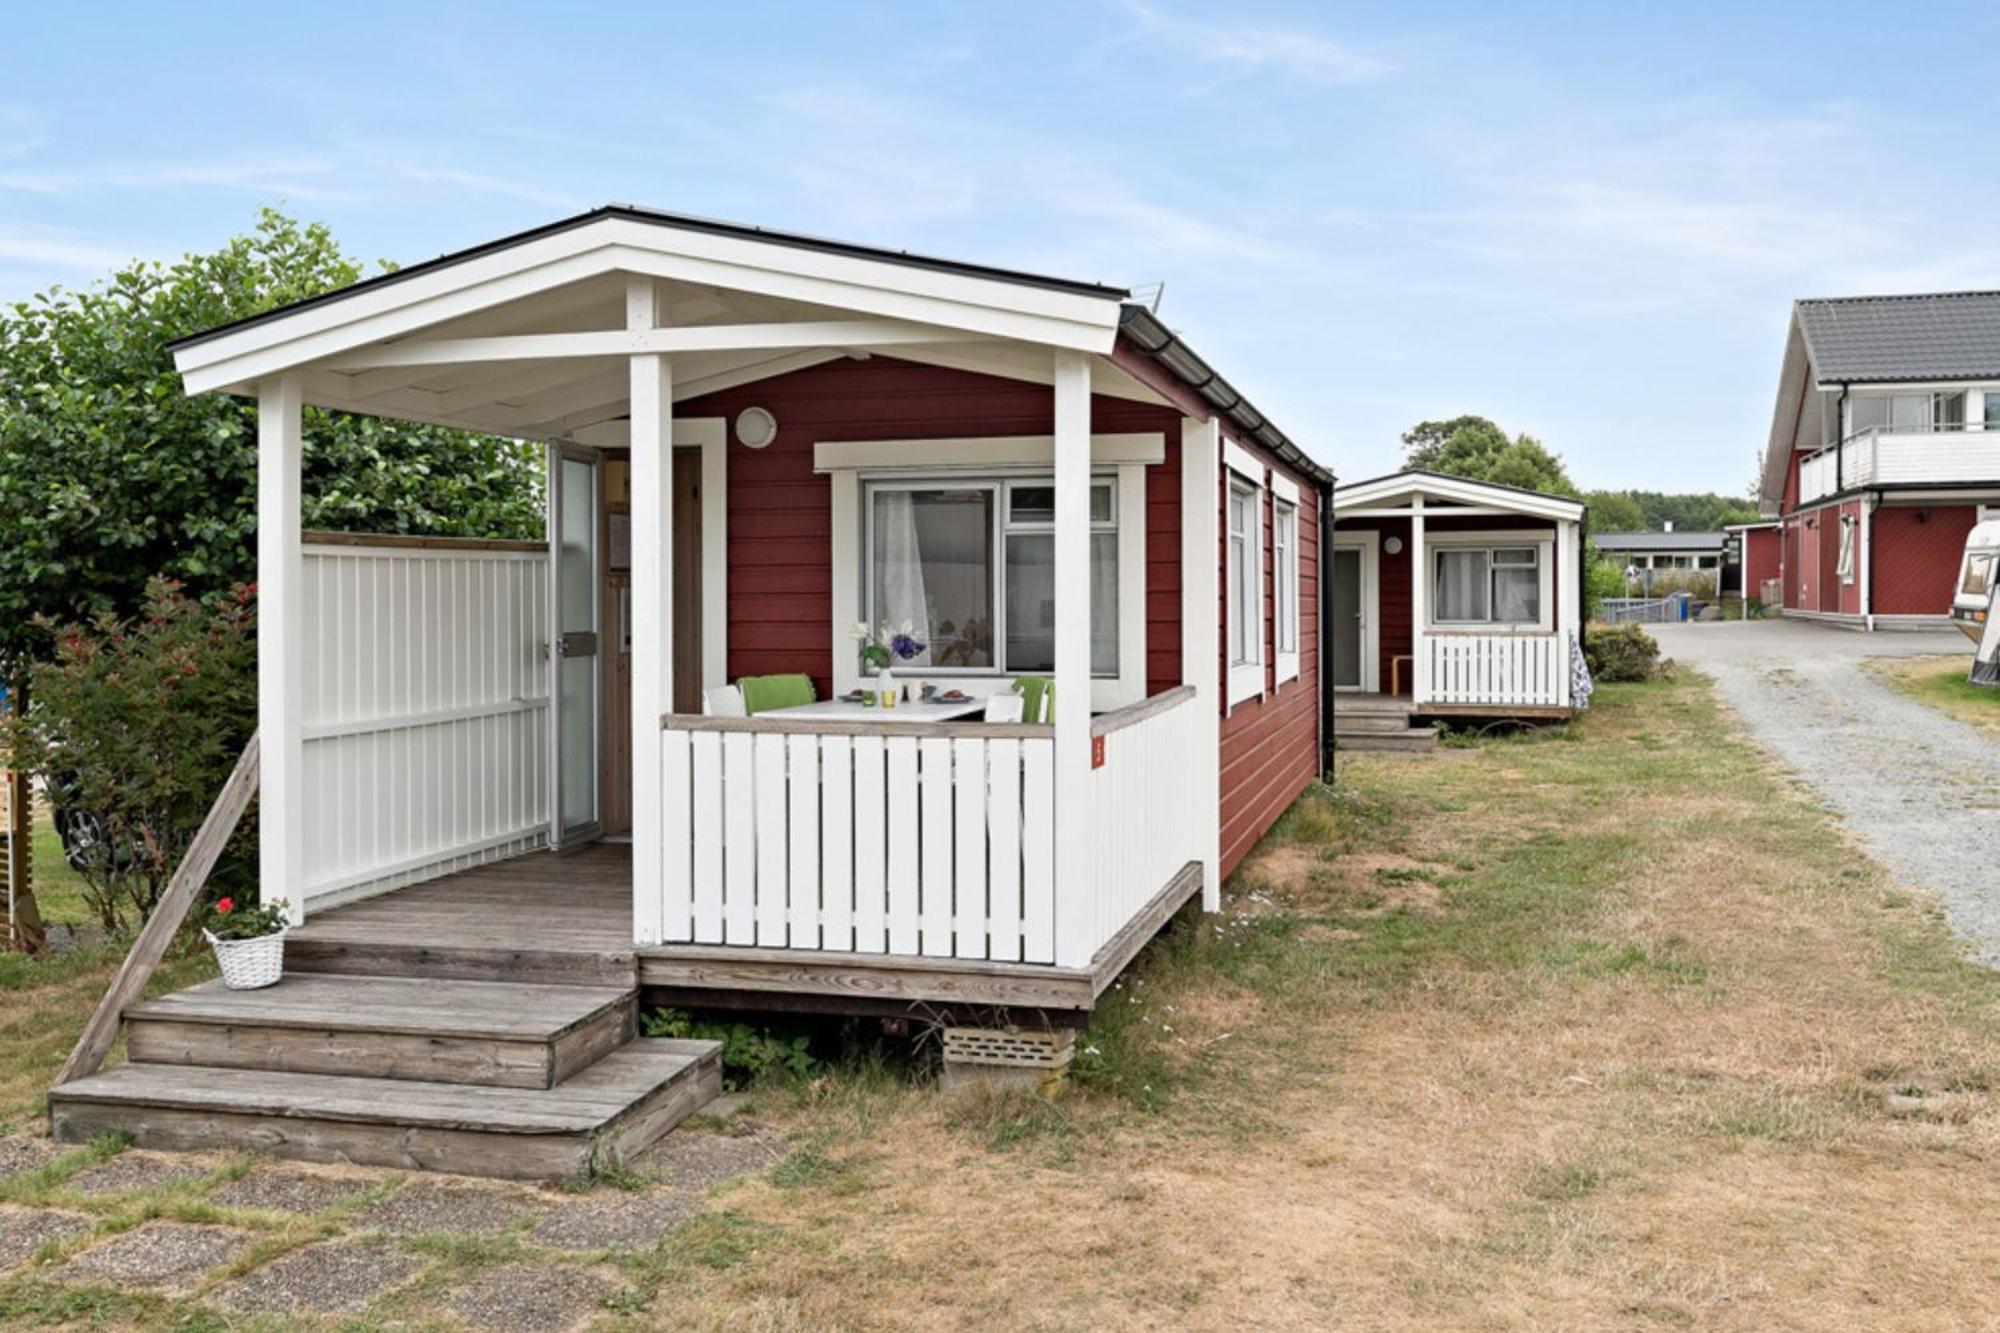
(1158, 293)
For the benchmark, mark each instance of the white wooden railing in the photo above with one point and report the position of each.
(426, 697)
(1146, 821)
(1528, 669)
(921, 839)
(880, 837)
(1900, 456)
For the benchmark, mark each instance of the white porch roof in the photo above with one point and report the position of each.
(1394, 493)
(529, 336)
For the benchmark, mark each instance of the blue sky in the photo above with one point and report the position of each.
(1586, 222)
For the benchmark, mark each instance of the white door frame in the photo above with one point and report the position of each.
(1369, 543)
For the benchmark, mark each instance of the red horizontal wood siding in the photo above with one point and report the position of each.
(1917, 552)
(1761, 559)
(780, 511)
(1270, 744)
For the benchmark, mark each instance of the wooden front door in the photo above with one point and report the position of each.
(616, 747)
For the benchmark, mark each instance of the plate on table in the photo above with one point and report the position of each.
(954, 697)
(854, 696)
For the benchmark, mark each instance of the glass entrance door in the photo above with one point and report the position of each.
(1347, 619)
(575, 575)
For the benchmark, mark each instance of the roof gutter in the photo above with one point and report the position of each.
(1146, 333)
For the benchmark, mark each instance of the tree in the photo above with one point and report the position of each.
(110, 475)
(1615, 511)
(1474, 448)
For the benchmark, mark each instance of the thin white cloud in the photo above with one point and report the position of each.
(1244, 49)
(482, 183)
(55, 247)
(273, 174)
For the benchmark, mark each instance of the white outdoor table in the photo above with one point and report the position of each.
(837, 710)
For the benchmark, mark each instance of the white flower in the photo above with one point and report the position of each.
(860, 630)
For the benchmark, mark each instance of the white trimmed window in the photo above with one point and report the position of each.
(969, 564)
(1245, 592)
(1285, 583)
(1845, 570)
(1503, 585)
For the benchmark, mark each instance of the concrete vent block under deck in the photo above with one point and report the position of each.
(424, 1029)
(597, 1118)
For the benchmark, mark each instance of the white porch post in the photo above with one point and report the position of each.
(1074, 908)
(1201, 655)
(280, 644)
(1420, 584)
(1569, 551)
(652, 471)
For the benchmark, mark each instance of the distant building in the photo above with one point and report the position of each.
(1690, 551)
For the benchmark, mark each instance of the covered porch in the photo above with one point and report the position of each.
(446, 723)
(1455, 597)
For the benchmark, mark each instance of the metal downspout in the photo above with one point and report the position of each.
(1326, 628)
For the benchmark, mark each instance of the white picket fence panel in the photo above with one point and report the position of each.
(426, 723)
(925, 845)
(1498, 669)
(1146, 816)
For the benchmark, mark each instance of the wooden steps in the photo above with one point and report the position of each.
(599, 1117)
(1379, 723)
(521, 1080)
(439, 1031)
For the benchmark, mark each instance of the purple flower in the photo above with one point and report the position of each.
(905, 647)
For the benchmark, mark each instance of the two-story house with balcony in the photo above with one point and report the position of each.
(1885, 447)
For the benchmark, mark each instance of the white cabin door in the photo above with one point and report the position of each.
(575, 573)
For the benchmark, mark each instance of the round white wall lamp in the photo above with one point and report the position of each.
(1393, 546)
(755, 427)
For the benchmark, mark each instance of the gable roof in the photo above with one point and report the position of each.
(1882, 339)
(675, 221)
(1458, 490)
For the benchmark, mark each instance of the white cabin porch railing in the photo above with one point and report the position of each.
(879, 837)
(1497, 669)
(1146, 817)
(425, 709)
(921, 839)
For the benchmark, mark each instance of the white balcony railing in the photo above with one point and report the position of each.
(1900, 456)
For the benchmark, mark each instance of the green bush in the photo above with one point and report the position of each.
(1621, 652)
(132, 729)
(749, 1053)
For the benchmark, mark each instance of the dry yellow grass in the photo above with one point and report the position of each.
(1608, 1031)
(1940, 681)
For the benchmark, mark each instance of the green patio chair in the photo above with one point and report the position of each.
(1038, 698)
(763, 693)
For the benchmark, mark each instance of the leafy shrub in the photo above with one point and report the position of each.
(1621, 652)
(1603, 578)
(748, 1052)
(133, 728)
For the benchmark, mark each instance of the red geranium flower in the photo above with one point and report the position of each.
(226, 906)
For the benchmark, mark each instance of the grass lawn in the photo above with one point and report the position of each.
(1604, 1028)
(1941, 682)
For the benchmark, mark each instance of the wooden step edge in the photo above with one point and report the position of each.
(331, 953)
(170, 1009)
(391, 1099)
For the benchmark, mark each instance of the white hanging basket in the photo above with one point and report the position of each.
(250, 964)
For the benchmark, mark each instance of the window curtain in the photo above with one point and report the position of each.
(1461, 585)
(899, 569)
(1517, 595)
(1104, 604)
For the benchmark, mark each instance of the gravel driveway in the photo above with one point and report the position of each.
(1921, 789)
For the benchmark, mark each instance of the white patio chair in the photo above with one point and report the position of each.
(723, 701)
(1004, 706)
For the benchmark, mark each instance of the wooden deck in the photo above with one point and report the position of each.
(544, 918)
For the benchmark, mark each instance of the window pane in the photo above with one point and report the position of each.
(1524, 555)
(1239, 512)
(1031, 502)
(1517, 596)
(1949, 410)
(1031, 603)
(932, 565)
(1238, 599)
(1993, 409)
(1910, 410)
(1867, 410)
(1461, 585)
